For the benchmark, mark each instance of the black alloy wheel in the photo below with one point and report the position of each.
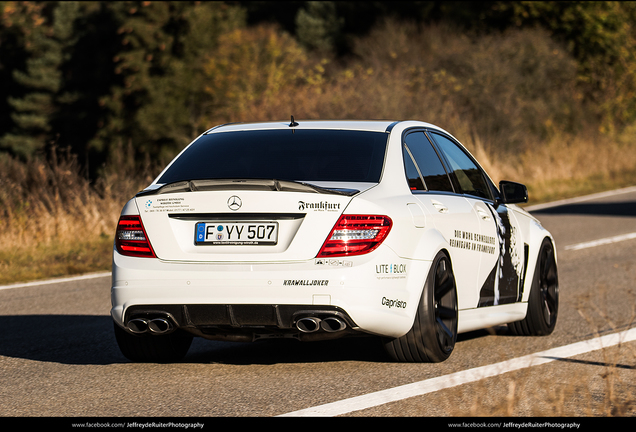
(445, 301)
(548, 286)
(434, 333)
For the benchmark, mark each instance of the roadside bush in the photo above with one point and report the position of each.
(515, 89)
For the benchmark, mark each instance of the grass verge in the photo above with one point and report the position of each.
(46, 261)
(67, 257)
(553, 190)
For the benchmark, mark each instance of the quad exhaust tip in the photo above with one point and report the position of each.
(154, 326)
(308, 324)
(313, 324)
(332, 324)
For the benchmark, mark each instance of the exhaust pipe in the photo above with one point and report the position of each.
(308, 324)
(138, 325)
(159, 326)
(155, 326)
(333, 324)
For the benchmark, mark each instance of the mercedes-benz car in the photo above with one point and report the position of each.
(314, 230)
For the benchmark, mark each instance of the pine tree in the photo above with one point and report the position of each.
(319, 26)
(88, 74)
(158, 102)
(47, 30)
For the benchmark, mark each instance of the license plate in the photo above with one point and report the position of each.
(236, 233)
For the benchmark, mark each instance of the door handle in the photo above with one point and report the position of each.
(483, 214)
(439, 206)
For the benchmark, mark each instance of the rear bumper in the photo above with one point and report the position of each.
(376, 293)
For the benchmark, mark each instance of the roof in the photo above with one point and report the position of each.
(367, 125)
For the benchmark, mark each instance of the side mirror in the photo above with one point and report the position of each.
(512, 192)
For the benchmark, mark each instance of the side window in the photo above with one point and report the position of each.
(469, 176)
(428, 162)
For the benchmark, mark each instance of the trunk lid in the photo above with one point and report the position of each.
(241, 220)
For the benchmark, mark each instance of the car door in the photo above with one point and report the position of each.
(451, 213)
(499, 244)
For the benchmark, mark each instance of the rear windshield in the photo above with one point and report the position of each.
(297, 155)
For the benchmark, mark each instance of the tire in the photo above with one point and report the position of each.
(434, 333)
(543, 302)
(146, 348)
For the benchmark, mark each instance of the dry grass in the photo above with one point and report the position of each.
(564, 167)
(55, 222)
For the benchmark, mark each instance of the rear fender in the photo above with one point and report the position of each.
(430, 243)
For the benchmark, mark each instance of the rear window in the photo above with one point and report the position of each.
(297, 155)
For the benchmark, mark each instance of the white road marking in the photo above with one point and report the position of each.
(467, 376)
(55, 281)
(603, 241)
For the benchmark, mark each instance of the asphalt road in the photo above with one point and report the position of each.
(58, 355)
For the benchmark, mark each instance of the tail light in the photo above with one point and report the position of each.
(131, 238)
(355, 235)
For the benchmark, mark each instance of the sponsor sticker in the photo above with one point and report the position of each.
(333, 262)
(305, 282)
(318, 206)
(390, 271)
(391, 303)
(159, 205)
(473, 241)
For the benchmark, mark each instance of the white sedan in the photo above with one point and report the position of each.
(324, 229)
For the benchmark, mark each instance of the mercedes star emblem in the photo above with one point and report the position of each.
(234, 203)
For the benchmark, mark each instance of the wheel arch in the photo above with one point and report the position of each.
(422, 282)
(430, 243)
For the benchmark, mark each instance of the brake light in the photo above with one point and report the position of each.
(131, 238)
(355, 235)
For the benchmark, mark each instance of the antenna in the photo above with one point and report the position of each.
(293, 123)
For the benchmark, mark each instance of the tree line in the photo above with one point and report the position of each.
(93, 77)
